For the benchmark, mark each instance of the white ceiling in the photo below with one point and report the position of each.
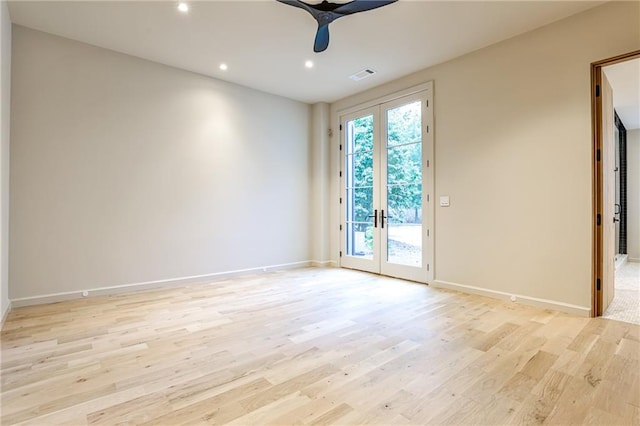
(265, 43)
(625, 82)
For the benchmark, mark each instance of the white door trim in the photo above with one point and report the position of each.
(423, 92)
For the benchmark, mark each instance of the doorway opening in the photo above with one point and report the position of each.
(616, 187)
(620, 176)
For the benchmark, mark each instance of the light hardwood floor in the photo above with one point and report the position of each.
(317, 346)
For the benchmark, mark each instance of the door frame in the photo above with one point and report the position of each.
(597, 181)
(428, 149)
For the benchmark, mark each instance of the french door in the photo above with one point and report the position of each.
(387, 182)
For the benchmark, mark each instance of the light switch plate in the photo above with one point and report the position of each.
(444, 201)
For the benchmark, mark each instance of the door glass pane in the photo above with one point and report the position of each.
(360, 134)
(359, 204)
(404, 164)
(360, 169)
(404, 185)
(359, 187)
(404, 124)
(360, 240)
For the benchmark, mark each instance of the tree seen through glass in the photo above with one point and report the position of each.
(404, 182)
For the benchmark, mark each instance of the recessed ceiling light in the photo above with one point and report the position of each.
(223, 67)
(308, 64)
(183, 7)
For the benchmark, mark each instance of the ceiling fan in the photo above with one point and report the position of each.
(327, 12)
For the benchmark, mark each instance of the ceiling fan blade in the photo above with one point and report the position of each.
(322, 39)
(300, 4)
(326, 12)
(356, 6)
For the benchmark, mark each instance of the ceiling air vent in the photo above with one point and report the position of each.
(362, 74)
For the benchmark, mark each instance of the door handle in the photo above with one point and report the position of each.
(375, 218)
(618, 208)
(382, 218)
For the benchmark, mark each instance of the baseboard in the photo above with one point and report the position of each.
(324, 263)
(581, 311)
(148, 285)
(5, 314)
(633, 260)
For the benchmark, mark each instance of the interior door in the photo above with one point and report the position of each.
(387, 180)
(608, 216)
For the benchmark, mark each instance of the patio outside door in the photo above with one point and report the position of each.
(387, 182)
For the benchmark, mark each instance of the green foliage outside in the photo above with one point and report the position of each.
(404, 166)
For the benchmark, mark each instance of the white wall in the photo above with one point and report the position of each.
(513, 151)
(633, 195)
(319, 171)
(126, 171)
(5, 117)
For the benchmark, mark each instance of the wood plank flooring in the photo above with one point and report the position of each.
(314, 346)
